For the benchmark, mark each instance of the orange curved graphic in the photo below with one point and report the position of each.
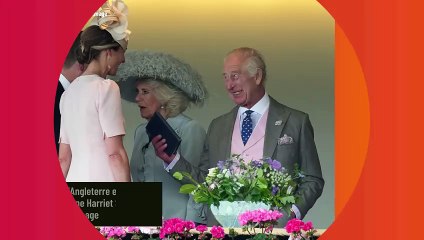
(352, 123)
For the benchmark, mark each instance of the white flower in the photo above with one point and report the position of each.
(212, 172)
(289, 190)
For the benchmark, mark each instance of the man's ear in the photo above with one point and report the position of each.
(81, 67)
(258, 76)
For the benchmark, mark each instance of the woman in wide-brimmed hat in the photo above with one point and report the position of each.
(159, 82)
(92, 124)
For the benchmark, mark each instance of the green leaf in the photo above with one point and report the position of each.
(178, 176)
(262, 183)
(186, 174)
(200, 198)
(260, 236)
(288, 199)
(259, 173)
(187, 188)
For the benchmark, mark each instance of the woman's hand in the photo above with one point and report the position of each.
(160, 145)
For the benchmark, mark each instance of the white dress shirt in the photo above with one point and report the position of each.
(65, 82)
(258, 111)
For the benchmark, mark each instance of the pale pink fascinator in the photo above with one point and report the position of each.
(112, 17)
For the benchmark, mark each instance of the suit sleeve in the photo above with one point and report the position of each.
(197, 168)
(137, 157)
(193, 137)
(312, 184)
(57, 118)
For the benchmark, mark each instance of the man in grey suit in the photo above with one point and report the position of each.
(287, 134)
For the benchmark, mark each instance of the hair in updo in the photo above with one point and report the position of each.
(94, 36)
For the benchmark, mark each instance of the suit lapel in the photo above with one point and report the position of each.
(227, 134)
(59, 90)
(277, 118)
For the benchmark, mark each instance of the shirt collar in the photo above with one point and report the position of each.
(260, 107)
(65, 83)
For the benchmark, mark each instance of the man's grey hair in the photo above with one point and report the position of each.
(254, 60)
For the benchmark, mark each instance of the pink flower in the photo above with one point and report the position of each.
(189, 225)
(133, 230)
(307, 226)
(169, 227)
(296, 226)
(217, 232)
(179, 227)
(105, 230)
(201, 228)
(175, 227)
(114, 232)
(260, 216)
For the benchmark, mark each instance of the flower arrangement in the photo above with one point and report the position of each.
(135, 233)
(202, 231)
(300, 230)
(176, 228)
(235, 179)
(173, 228)
(217, 232)
(113, 233)
(261, 218)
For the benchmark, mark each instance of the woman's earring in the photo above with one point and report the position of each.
(162, 107)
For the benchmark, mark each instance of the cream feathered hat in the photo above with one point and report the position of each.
(162, 67)
(112, 17)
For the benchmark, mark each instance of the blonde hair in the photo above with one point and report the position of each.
(172, 99)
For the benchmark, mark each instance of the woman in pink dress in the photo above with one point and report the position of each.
(92, 127)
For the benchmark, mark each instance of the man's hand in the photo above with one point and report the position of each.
(160, 145)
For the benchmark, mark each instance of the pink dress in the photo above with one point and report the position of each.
(91, 111)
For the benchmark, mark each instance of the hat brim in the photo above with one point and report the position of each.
(128, 88)
(162, 67)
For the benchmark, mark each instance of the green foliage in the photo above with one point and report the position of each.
(262, 180)
(261, 236)
(178, 176)
(232, 233)
(187, 188)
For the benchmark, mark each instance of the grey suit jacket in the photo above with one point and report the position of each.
(145, 166)
(303, 151)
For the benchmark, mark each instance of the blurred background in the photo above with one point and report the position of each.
(296, 38)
